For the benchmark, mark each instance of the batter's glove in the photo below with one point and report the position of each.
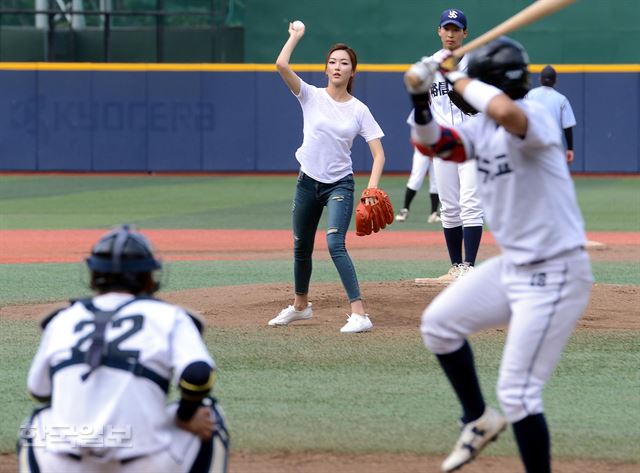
(373, 212)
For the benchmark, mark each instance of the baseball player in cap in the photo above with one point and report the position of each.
(460, 208)
(540, 283)
(557, 104)
(104, 368)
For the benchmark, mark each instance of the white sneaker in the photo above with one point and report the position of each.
(452, 274)
(464, 269)
(357, 323)
(402, 215)
(434, 218)
(288, 315)
(474, 437)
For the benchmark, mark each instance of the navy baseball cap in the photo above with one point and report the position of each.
(455, 17)
(548, 76)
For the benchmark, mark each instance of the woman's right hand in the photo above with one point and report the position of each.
(297, 33)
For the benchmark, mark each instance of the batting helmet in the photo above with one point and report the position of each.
(503, 63)
(123, 259)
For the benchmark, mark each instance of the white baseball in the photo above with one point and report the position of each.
(298, 25)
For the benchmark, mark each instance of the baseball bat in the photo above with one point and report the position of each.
(533, 12)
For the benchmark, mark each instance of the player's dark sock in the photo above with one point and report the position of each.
(453, 237)
(532, 436)
(472, 237)
(408, 197)
(435, 202)
(461, 371)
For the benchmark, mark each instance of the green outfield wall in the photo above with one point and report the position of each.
(401, 31)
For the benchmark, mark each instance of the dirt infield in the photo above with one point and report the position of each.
(394, 306)
(67, 246)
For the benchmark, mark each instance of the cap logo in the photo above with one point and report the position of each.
(453, 14)
(515, 74)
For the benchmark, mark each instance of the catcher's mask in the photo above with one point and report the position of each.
(123, 260)
(503, 63)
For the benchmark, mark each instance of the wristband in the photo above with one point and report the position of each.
(478, 94)
(428, 134)
(453, 76)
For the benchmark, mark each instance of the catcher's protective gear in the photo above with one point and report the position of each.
(461, 103)
(120, 259)
(372, 216)
(502, 63)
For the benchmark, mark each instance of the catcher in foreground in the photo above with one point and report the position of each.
(103, 372)
(374, 212)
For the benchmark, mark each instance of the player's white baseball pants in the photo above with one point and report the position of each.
(178, 457)
(541, 304)
(459, 203)
(419, 169)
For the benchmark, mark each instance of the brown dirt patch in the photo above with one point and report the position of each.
(67, 246)
(393, 305)
(242, 462)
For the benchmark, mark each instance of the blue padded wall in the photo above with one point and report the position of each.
(18, 120)
(222, 148)
(65, 122)
(249, 121)
(120, 121)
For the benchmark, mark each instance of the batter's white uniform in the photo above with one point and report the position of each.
(557, 104)
(460, 205)
(541, 282)
(420, 168)
(116, 418)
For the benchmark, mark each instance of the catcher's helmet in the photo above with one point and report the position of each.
(123, 258)
(503, 63)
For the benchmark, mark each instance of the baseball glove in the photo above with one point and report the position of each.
(373, 212)
(461, 103)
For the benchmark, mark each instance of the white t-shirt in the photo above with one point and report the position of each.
(113, 412)
(329, 130)
(524, 185)
(557, 104)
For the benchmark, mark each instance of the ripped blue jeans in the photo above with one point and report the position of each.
(309, 201)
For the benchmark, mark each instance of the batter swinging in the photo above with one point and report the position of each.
(541, 282)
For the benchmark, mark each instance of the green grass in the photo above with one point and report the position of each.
(94, 201)
(33, 283)
(379, 392)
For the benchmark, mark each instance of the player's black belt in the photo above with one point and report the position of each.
(559, 255)
(78, 458)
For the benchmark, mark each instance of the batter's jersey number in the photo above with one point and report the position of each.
(538, 279)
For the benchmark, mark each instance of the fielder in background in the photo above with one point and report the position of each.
(104, 368)
(557, 104)
(419, 169)
(460, 208)
(332, 119)
(540, 284)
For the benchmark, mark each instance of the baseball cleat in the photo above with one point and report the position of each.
(357, 323)
(474, 437)
(433, 218)
(452, 274)
(290, 314)
(464, 269)
(402, 215)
